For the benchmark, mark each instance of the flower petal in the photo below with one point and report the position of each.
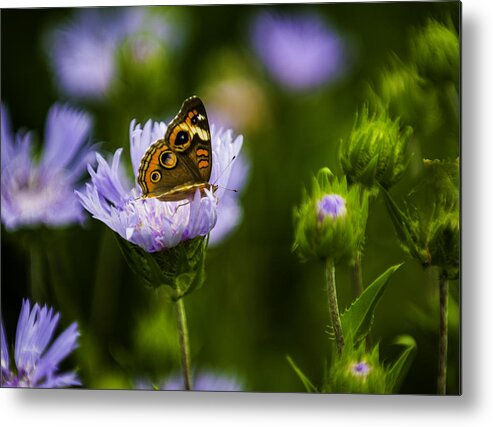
(67, 129)
(59, 350)
(5, 361)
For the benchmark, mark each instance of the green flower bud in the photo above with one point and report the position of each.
(403, 93)
(429, 228)
(435, 51)
(438, 220)
(357, 372)
(331, 221)
(179, 270)
(375, 150)
(398, 88)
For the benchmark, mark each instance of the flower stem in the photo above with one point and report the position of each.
(333, 306)
(181, 321)
(443, 334)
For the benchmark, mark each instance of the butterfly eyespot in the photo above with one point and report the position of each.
(175, 167)
(167, 159)
(155, 176)
(181, 138)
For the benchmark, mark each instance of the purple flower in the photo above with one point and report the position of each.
(149, 223)
(36, 362)
(203, 382)
(300, 51)
(331, 205)
(84, 53)
(36, 192)
(360, 369)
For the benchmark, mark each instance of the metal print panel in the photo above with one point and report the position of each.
(232, 198)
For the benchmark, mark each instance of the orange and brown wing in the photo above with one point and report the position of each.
(160, 170)
(189, 133)
(183, 158)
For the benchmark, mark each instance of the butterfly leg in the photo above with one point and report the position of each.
(180, 205)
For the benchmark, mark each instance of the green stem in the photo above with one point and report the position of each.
(181, 321)
(333, 306)
(443, 334)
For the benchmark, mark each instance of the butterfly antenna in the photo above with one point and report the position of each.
(222, 173)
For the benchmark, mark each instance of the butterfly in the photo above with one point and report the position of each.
(175, 167)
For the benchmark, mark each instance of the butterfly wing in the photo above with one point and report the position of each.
(182, 161)
(189, 133)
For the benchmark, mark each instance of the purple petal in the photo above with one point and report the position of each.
(33, 335)
(7, 137)
(4, 357)
(67, 129)
(59, 350)
(61, 380)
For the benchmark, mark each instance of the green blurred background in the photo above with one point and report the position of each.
(259, 303)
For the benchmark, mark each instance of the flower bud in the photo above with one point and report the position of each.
(439, 223)
(357, 372)
(435, 51)
(374, 153)
(429, 228)
(331, 220)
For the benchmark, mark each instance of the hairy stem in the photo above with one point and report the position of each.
(181, 321)
(443, 334)
(333, 306)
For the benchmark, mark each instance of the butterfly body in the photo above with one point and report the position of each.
(175, 167)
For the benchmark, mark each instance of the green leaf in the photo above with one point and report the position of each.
(402, 226)
(310, 388)
(400, 367)
(357, 319)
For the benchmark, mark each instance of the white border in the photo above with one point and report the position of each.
(78, 407)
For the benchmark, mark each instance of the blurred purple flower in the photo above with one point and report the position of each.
(300, 51)
(331, 205)
(36, 362)
(84, 53)
(203, 382)
(41, 191)
(149, 223)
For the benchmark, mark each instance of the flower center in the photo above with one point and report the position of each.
(360, 369)
(331, 205)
